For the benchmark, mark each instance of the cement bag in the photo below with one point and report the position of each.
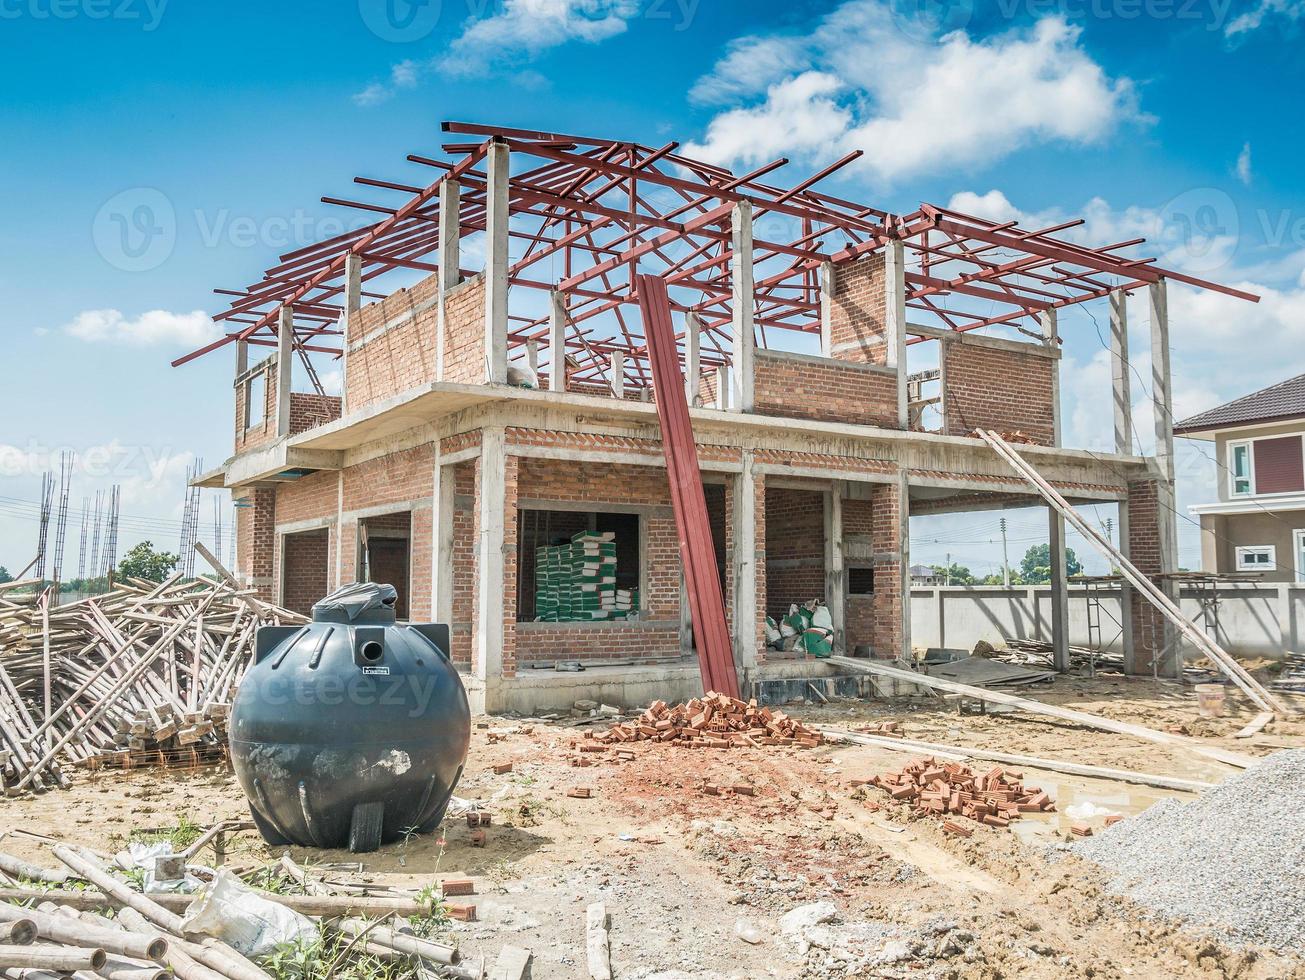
(821, 619)
(254, 926)
(786, 628)
(772, 632)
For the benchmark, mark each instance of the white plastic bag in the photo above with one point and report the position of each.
(254, 926)
(142, 857)
(821, 619)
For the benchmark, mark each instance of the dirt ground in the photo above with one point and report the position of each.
(696, 884)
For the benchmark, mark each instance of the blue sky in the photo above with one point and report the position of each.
(1172, 118)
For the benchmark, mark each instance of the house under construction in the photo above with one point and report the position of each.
(497, 401)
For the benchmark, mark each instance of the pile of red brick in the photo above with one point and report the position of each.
(715, 721)
(995, 797)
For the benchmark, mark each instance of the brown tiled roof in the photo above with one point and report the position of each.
(1285, 400)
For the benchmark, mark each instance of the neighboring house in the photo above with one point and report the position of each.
(1258, 521)
(924, 575)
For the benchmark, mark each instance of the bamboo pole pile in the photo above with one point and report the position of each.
(141, 675)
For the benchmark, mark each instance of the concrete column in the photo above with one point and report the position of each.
(826, 309)
(1128, 639)
(532, 358)
(496, 263)
(441, 577)
(616, 369)
(488, 654)
(1050, 337)
(1166, 500)
(556, 341)
(1121, 385)
(746, 574)
(835, 571)
(723, 387)
(692, 357)
(352, 304)
(449, 259)
(904, 568)
(744, 295)
(940, 601)
(242, 386)
(1059, 592)
(339, 529)
(895, 323)
(284, 364)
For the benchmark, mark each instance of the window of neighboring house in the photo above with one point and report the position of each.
(1257, 558)
(1300, 556)
(1239, 469)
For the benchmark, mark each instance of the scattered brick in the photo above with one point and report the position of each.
(457, 886)
(995, 797)
(580, 792)
(713, 721)
(1113, 819)
(477, 838)
(502, 768)
(463, 913)
(1080, 830)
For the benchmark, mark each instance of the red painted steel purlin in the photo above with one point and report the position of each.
(595, 211)
(697, 552)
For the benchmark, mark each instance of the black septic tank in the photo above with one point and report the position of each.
(350, 731)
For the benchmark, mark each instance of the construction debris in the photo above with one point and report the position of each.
(995, 797)
(142, 675)
(714, 721)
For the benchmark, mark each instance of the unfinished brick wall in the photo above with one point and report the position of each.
(398, 344)
(886, 507)
(795, 549)
(823, 389)
(541, 642)
(707, 389)
(263, 431)
(859, 612)
(464, 337)
(305, 569)
(857, 311)
(308, 410)
(256, 540)
(1143, 515)
(997, 389)
(464, 561)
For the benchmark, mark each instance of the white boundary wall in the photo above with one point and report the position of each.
(1255, 620)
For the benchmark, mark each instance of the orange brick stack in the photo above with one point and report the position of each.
(714, 721)
(995, 797)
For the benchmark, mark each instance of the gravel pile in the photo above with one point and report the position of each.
(1231, 860)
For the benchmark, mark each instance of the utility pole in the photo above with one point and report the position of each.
(1005, 560)
(1110, 530)
(948, 572)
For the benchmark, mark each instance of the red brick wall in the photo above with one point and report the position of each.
(464, 339)
(1142, 508)
(886, 543)
(400, 358)
(264, 431)
(795, 548)
(857, 311)
(859, 615)
(313, 497)
(305, 570)
(562, 641)
(464, 560)
(823, 389)
(308, 410)
(997, 389)
(707, 389)
(256, 540)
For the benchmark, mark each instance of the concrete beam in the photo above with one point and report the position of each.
(284, 364)
(448, 258)
(1051, 338)
(895, 323)
(692, 357)
(488, 655)
(1120, 383)
(743, 304)
(826, 309)
(556, 341)
(496, 263)
(1059, 592)
(835, 573)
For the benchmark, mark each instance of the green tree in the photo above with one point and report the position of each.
(144, 562)
(4, 575)
(1035, 568)
(959, 575)
(996, 578)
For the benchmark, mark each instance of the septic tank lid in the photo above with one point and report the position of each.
(361, 601)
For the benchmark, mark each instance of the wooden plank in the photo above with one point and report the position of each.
(1256, 725)
(958, 752)
(1038, 707)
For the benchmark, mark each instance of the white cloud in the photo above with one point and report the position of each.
(525, 28)
(154, 328)
(1244, 165)
(1265, 10)
(913, 104)
(373, 94)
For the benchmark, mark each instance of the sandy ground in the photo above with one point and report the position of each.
(683, 873)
